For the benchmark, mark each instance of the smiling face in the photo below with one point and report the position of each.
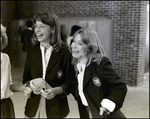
(42, 32)
(78, 48)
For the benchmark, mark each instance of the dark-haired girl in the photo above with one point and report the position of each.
(49, 60)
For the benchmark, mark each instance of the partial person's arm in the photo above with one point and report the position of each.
(16, 88)
(68, 85)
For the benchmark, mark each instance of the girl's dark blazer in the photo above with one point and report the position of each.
(59, 73)
(111, 86)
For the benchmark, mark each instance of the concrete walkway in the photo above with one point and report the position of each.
(136, 103)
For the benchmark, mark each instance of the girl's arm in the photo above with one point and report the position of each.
(16, 88)
(117, 87)
(19, 88)
(52, 92)
(26, 73)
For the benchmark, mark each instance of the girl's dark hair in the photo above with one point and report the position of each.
(29, 23)
(50, 19)
(74, 29)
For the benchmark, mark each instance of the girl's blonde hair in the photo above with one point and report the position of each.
(95, 48)
(4, 38)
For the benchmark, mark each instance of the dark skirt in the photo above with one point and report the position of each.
(7, 108)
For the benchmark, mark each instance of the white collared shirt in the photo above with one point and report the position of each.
(6, 78)
(81, 68)
(46, 54)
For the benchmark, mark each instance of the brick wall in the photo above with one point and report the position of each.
(129, 33)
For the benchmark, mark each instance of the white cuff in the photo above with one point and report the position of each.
(108, 104)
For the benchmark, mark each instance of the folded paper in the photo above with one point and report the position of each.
(39, 83)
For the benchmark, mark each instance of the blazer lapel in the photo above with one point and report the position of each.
(87, 74)
(38, 58)
(53, 60)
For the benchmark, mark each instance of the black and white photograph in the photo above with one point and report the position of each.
(75, 59)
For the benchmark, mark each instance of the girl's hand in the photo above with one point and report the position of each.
(27, 91)
(48, 93)
(102, 110)
(37, 91)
